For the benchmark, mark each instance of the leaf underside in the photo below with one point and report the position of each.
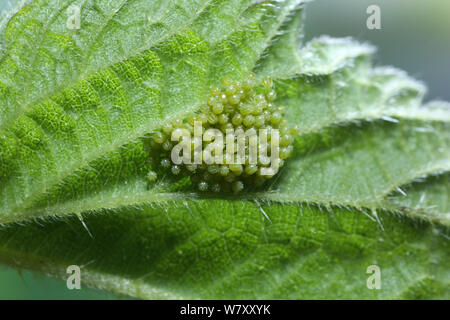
(367, 184)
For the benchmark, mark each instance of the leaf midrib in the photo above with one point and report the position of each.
(375, 202)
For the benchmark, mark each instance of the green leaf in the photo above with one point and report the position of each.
(425, 198)
(192, 250)
(77, 110)
(98, 112)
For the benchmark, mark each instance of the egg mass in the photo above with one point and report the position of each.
(234, 105)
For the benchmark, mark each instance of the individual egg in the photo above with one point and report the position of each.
(175, 170)
(237, 186)
(152, 176)
(203, 186)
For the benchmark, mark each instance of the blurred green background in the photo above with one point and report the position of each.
(414, 36)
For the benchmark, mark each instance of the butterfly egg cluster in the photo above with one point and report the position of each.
(236, 105)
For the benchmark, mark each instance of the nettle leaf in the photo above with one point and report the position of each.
(367, 184)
